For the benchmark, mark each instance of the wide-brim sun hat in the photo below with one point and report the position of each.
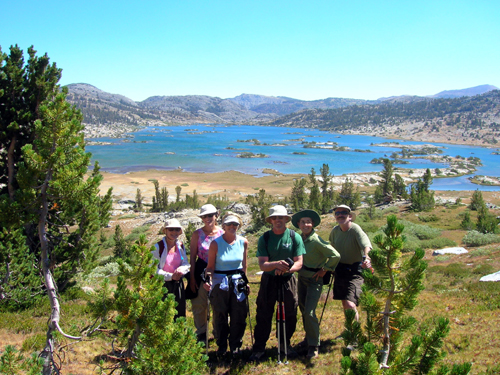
(207, 209)
(278, 210)
(353, 214)
(173, 223)
(313, 215)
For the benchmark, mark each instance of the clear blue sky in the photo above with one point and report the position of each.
(296, 48)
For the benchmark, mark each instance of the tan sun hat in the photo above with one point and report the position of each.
(173, 223)
(207, 209)
(278, 210)
(353, 214)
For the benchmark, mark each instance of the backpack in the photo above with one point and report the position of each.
(161, 247)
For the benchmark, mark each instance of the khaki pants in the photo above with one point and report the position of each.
(199, 307)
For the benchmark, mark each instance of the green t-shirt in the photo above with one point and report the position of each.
(350, 244)
(280, 247)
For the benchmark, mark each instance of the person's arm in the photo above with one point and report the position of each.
(367, 262)
(193, 249)
(245, 254)
(297, 265)
(185, 265)
(280, 266)
(209, 271)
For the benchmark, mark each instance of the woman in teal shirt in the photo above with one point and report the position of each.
(227, 266)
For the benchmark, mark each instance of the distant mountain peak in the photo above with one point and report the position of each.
(471, 91)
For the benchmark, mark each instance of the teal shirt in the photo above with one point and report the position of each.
(280, 247)
(319, 254)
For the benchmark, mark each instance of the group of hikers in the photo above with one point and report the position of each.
(217, 268)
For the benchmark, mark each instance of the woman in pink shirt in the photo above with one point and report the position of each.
(173, 263)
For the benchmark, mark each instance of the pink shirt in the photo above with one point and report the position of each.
(173, 261)
(204, 243)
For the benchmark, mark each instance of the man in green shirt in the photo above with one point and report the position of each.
(274, 247)
(353, 246)
(319, 258)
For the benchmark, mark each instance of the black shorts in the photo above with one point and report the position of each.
(347, 287)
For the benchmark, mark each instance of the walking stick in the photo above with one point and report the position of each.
(283, 319)
(278, 317)
(249, 317)
(326, 300)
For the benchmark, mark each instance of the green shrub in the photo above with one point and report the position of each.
(422, 232)
(479, 252)
(428, 218)
(368, 227)
(136, 233)
(438, 243)
(475, 238)
(453, 270)
(483, 269)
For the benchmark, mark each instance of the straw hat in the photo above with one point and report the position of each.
(278, 210)
(313, 215)
(207, 209)
(173, 223)
(353, 214)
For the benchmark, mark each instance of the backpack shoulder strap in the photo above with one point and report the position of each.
(266, 238)
(292, 236)
(161, 247)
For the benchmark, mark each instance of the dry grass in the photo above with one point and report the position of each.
(452, 291)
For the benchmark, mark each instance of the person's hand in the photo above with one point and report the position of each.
(281, 267)
(366, 263)
(176, 275)
(319, 275)
(207, 286)
(248, 289)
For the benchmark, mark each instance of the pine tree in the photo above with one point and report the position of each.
(299, 195)
(348, 195)
(422, 199)
(326, 189)
(138, 200)
(476, 201)
(47, 191)
(467, 223)
(315, 194)
(122, 248)
(388, 295)
(259, 206)
(486, 222)
(149, 341)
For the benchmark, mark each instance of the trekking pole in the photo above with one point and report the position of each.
(326, 300)
(207, 280)
(249, 317)
(283, 320)
(278, 318)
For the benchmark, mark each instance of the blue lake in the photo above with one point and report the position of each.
(174, 146)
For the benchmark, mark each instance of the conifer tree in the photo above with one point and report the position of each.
(138, 200)
(259, 206)
(46, 189)
(422, 198)
(388, 295)
(348, 195)
(476, 201)
(149, 340)
(315, 194)
(327, 192)
(299, 195)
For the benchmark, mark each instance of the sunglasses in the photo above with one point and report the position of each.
(207, 215)
(174, 229)
(342, 213)
(277, 217)
(233, 224)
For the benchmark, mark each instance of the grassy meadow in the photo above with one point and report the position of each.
(452, 290)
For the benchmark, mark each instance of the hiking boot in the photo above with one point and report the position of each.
(313, 352)
(221, 353)
(257, 356)
(236, 353)
(303, 344)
